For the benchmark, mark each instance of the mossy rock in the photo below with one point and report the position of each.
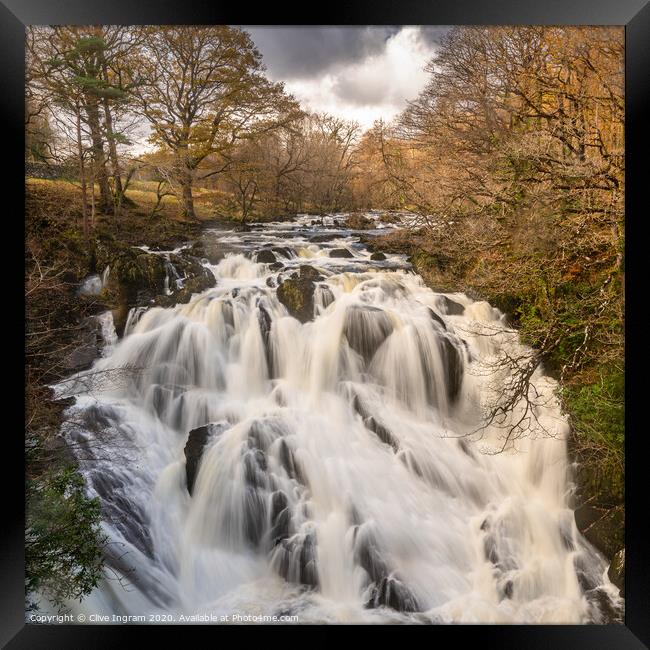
(297, 293)
(359, 222)
(616, 571)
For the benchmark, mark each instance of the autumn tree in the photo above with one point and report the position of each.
(79, 75)
(512, 158)
(203, 89)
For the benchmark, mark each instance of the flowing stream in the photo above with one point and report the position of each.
(340, 471)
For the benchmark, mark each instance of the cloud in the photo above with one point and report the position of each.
(302, 52)
(359, 73)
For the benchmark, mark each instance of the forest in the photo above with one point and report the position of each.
(509, 165)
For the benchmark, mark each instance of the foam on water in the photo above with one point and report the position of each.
(345, 475)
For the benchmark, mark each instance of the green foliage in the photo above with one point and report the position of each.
(63, 547)
(90, 44)
(597, 413)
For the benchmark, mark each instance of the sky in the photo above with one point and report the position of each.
(361, 73)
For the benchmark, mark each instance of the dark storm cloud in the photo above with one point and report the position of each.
(303, 52)
(433, 34)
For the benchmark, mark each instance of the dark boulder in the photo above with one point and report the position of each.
(280, 518)
(381, 432)
(284, 251)
(265, 323)
(295, 559)
(436, 319)
(212, 251)
(82, 357)
(297, 293)
(358, 222)
(194, 448)
(265, 257)
(288, 461)
(386, 589)
(365, 329)
(599, 524)
(392, 592)
(378, 257)
(340, 252)
(319, 239)
(88, 339)
(453, 362)
(452, 307)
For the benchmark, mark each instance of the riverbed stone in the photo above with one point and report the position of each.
(265, 257)
(197, 441)
(297, 293)
(452, 307)
(341, 252)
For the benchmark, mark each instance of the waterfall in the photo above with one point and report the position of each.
(93, 284)
(336, 469)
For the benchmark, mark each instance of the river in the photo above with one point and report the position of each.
(340, 467)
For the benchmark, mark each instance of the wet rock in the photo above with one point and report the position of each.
(123, 513)
(212, 251)
(454, 367)
(600, 525)
(378, 257)
(359, 222)
(193, 286)
(507, 589)
(381, 432)
(89, 341)
(326, 296)
(82, 357)
(288, 461)
(265, 323)
(284, 251)
(605, 612)
(319, 239)
(265, 257)
(452, 307)
(386, 589)
(616, 571)
(365, 329)
(255, 513)
(436, 318)
(280, 518)
(295, 559)
(340, 252)
(297, 293)
(194, 448)
(393, 593)
(584, 573)
(359, 407)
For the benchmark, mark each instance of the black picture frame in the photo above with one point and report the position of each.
(633, 14)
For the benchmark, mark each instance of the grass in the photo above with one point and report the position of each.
(143, 194)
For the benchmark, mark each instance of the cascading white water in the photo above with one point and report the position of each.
(338, 469)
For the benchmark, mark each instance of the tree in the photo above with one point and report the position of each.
(81, 70)
(202, 89)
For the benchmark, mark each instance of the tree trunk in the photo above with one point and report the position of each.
(112, 147)
(82, 177)
(99, 158)
(184, 177)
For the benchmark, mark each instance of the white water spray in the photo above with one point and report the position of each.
(337, 468)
